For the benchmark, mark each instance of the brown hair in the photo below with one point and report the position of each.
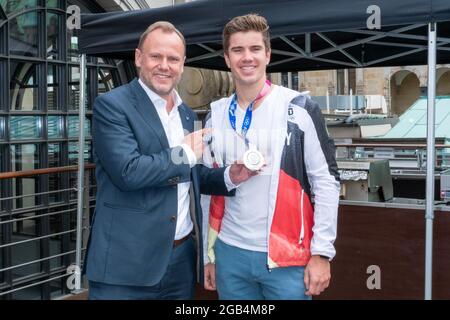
(249, 22)
(165, 26)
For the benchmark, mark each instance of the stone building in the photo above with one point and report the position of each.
(400, 86)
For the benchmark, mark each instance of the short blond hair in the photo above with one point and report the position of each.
(164, 26)
(249, 22)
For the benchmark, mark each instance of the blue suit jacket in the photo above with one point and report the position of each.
(136, 206)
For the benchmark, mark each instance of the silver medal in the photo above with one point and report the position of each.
(253, 160)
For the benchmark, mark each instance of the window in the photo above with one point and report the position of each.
(3, 38)
(25, 127)
(55, 127)
(23, 34)
(74, 126)
(294, 80)
(72, 47)
(346, 80)
(73, 153)
(285, 79)
(53, 3)
(352, 80)
(290, 80)
(340, 82)
(74, 88)
(24, 93)
(53, 24)
(3, 87)
(53, 87)
(55, 180)
(25, 157)
(15, 5)
(105, 81)
(2, 129)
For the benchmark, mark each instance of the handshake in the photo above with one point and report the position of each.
(197, 141)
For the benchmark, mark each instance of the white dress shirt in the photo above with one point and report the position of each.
(173, 128)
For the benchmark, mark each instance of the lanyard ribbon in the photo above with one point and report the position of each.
(248, 113)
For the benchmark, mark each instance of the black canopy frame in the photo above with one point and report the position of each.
(306, 35)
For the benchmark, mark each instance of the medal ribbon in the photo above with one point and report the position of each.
(248, 113)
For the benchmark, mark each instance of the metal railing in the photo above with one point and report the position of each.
(400, 155)
(39, 242)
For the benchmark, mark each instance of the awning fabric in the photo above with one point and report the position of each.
(306, 35)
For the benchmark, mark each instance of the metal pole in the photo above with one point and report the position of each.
(429, 214)
(351, 102)
(80, 179)
(328, 102)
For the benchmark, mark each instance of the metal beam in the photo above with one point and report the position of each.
(340, 50)
(394, 44)
(298, 57)
(402, 54)
(287, 53)
(306, 56)
(396, 35)
(201, 45)
(398, 55)
(294, 46)
(354, 43)
(205, 56)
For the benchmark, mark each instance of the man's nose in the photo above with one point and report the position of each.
(163, 64)
(247, 55)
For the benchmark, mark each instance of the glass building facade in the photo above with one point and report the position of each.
(39, 94)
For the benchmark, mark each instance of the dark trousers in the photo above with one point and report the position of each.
(178, 283)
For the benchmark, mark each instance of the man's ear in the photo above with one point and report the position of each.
(137, 57)
(268, 55)
(227, 59)
(182, 65)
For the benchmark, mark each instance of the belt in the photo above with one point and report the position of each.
(176, 243)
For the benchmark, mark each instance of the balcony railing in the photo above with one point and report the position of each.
(38, 231)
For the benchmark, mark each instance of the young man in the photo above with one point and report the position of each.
(272, 242)
(144, 242)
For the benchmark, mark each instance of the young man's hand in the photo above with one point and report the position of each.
(210, 276)
(317, 275)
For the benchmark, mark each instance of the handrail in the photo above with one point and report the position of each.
(39, 216)
(38, 194)
(27, 173)
(34, 284)
(389, 145)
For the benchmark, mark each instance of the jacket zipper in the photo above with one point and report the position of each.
(302, 229)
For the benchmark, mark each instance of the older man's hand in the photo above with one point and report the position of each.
(239, 173)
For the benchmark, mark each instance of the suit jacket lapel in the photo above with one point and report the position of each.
(186, 118)
(148, 111)
(188, 126)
